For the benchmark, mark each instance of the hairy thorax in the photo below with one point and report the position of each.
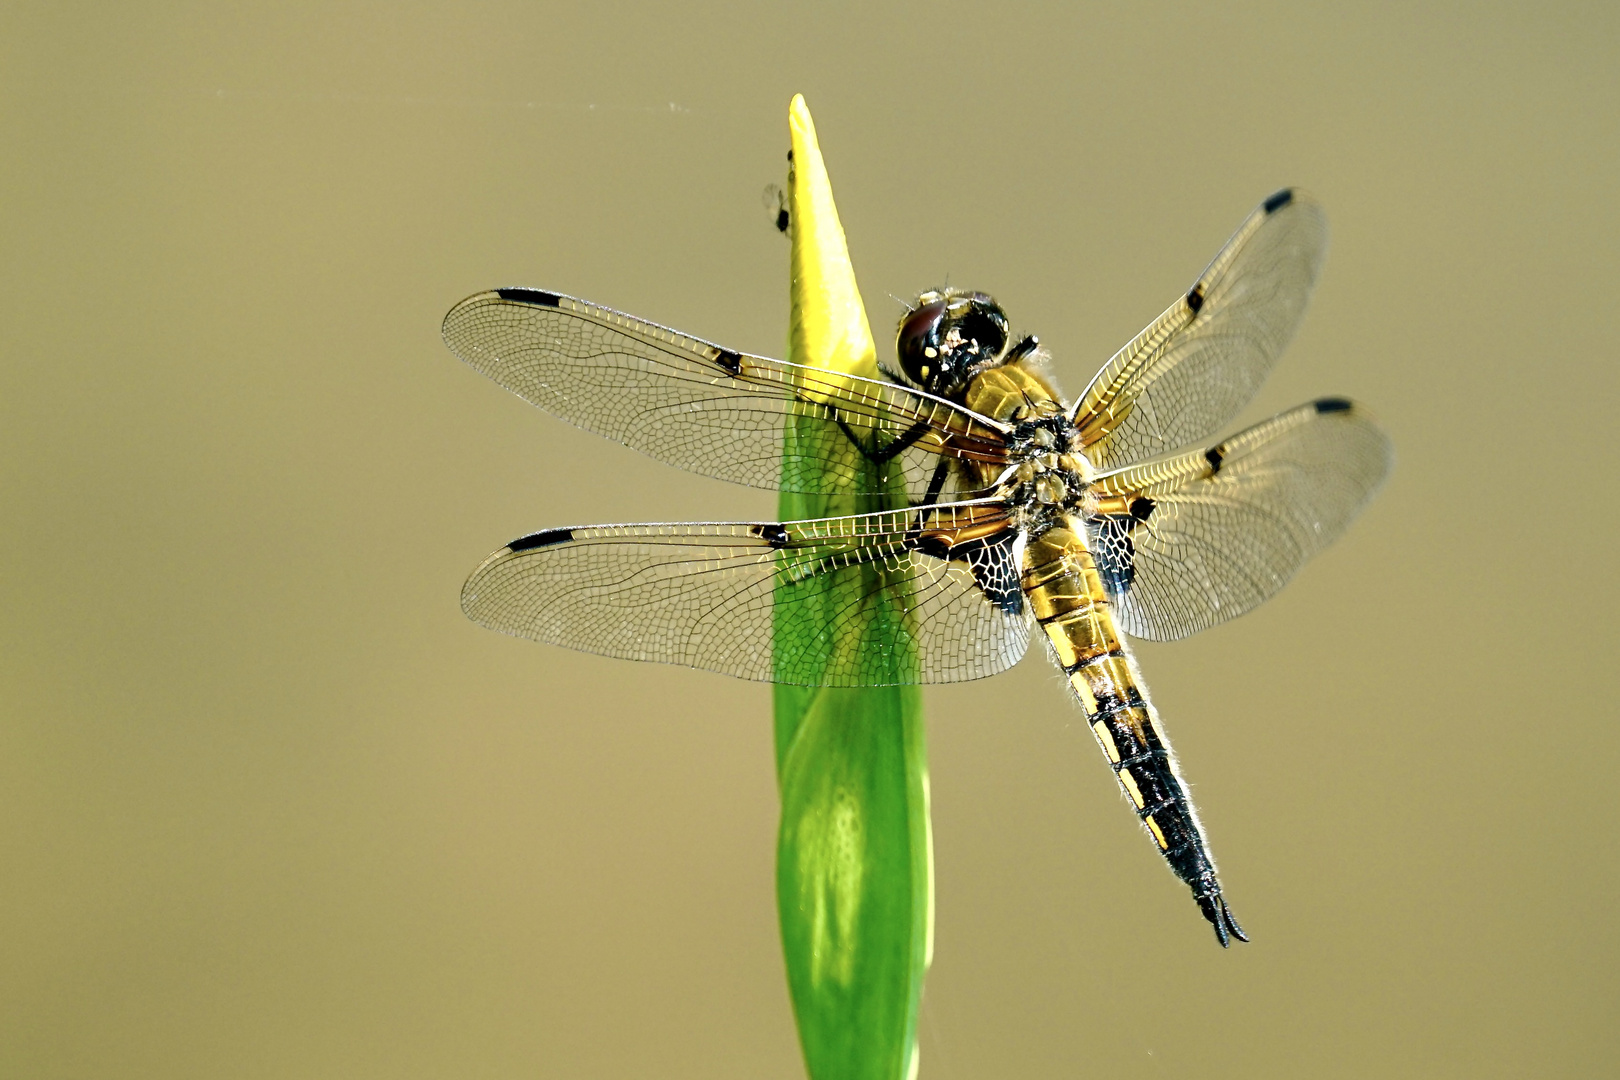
(1049, 477)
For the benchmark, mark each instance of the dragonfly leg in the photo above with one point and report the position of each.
(894, 449)
(936, 484)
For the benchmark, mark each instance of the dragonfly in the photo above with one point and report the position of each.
(993, 506)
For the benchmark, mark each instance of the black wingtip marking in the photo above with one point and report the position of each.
(537, 297)
(543, 538)
(773, 534)
(1214, 456)
(729, 360)
(1279, 200)
(1195, 298)
(1333, 405)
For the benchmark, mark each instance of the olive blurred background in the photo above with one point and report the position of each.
(271, 807)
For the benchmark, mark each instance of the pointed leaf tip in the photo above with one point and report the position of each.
(830, 328)
(854, 855)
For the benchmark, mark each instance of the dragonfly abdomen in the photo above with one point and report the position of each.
(1067, 597)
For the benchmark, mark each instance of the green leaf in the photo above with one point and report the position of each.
(854, 853)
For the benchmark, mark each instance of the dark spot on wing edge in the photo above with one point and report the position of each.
(1116, 561)
(1333, 405)
(995, 571)
(729, 360)
(1278, 201)
(543, 538)
(1214, 456)
(536, 297)
(1195, 298)
(773, 534)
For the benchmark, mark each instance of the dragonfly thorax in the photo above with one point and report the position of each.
(1047, 469)
(1049, 474)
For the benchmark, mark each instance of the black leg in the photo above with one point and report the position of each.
(894, 449)
(936, 484)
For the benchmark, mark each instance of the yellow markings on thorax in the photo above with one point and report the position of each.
(1001, 392)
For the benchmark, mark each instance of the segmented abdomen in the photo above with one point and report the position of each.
(1067, 597)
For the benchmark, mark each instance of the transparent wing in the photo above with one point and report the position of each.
(1197, 539)
(839, 601)
(710, 410)
(1200, 362)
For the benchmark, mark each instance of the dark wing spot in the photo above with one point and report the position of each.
(1333, 404)
(1279, 200)
(989, 559)
(773, 534)
(529, 296)
(1115, 555)
(782, 220)
(1195, 298)
(729, 360)
(1214, 456)
(543, 538)
(995, 571)
(1112, 546)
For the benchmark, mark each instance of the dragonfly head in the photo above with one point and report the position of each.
(949, 336)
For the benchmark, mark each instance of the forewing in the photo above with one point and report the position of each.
(708, 409)
(1197, 539)
(845, 601)
(1195, 366)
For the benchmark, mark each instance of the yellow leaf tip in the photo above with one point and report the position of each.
(830, 326)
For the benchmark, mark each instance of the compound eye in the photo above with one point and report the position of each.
(918, 344)
(986, 325)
